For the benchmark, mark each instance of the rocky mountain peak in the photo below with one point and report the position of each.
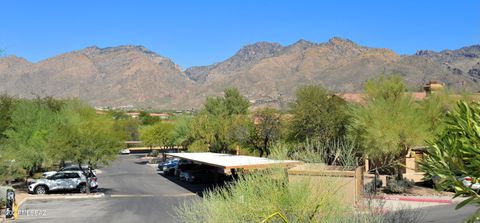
(265, 72)
(303, 43)
(257, 50)
(338, 41)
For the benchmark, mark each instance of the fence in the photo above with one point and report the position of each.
(348, 183)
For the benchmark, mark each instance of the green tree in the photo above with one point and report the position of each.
(435, 108)
(260, 131)
(182, 135)
(87, 138)
(211, 127)
(318, 115)
(455, 152)
(7, 104)
(389, 123)
(146, 119)
(27, 137)
(118, 115)
(128, 128)
(158, 134)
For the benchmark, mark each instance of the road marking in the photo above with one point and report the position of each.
(131, 195)
(151, 195)
(180, 195)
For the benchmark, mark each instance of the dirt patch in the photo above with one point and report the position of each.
(421, 191)
(426, 191)
(20, 195)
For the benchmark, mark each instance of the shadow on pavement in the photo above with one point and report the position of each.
(197, 188)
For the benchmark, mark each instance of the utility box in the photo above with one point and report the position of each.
(7, 198)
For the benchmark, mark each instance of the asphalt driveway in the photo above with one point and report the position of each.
(134, 192)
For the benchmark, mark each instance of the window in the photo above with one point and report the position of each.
(72, 175)
(59, 176)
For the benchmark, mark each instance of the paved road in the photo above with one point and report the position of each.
(137, 193)
(134, 193)
(446, 213)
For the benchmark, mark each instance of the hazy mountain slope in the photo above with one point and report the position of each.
(267, 73)
(126, 75)
(340, 65)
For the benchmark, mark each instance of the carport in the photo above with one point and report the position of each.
(229, 162)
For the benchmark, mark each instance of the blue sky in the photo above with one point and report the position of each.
(204, 32)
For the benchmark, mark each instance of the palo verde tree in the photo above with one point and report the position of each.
(31, 128)
(455, 152)
(87, 137)
(389, 123)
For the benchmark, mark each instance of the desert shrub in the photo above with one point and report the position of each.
(372, 186)
(253, 197)
(398, 186)
(337, 152)
(154, 153)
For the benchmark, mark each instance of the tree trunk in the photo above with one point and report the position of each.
(87, 187)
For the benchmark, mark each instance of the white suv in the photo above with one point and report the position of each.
(63, 180)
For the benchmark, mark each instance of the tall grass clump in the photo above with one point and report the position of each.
(255, 196)
(334, 152)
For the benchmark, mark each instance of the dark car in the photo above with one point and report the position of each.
(168, 168)
(166, 162)
(199, 175)
(183, 167)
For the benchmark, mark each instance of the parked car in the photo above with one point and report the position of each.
(204, 174)
(68, 180)
(168, 167)
(469, 182)
(466, 181)
(182, 167)
(125, 152)
(71, 167)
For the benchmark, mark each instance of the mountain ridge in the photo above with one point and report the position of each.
(266, 72)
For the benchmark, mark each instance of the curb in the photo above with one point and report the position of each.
(53, 197)
(415, 199)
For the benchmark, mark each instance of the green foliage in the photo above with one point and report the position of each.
(213, 125)
(398, 186)
(260, 131)
(118, 115)
(182, 135)
(88, 137)
(31, 128)
(435, 107)
(128, 128)
(390, 122)
(235, 103)
(44, 131)
(340, 152)
(385, 88)
(455, 152)
(7, 104)
(256, 196)
(146, 119)
(318, 115)
(158, 134)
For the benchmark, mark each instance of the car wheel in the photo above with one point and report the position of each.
(40, 189)
(82, 188)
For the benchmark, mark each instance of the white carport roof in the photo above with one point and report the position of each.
(228, 161)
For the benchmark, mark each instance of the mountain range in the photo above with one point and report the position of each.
(265, 72)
